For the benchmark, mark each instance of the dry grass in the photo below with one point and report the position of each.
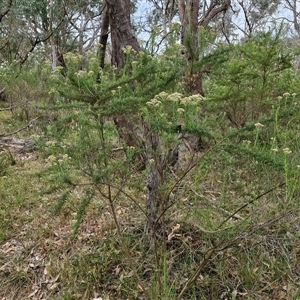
(253, 255)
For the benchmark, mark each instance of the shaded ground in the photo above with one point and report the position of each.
(39, 259)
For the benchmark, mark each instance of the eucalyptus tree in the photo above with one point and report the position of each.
(293, 7)
(161, 25)
(184, 21)
(25, 25)
(253, 15)
(59, 26)
(84, 18)
(195, 18)
(74, 26)
(154, 155)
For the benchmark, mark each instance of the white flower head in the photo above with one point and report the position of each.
(81, 73)
(176, 97)
(154, 102)
(258, 125)
(286, 151)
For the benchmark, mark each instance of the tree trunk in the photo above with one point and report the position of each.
(121, 32)
(118, 16)
(188, 13)
(104, 37)
(151, 152)
(155, 202)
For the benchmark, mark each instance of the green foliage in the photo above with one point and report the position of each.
(23, 92)
(238, 196)
(6, 160)
(113, 92)
(85, 201)
(248, 83)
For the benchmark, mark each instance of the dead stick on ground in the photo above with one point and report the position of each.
(20, 129)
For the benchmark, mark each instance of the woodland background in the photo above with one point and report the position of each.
(149, 149)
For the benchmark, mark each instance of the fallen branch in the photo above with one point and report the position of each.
(20, 129)
(20, 144)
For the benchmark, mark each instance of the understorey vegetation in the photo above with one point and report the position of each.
(161, 176)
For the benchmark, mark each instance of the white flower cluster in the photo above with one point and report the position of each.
(53, 160)
(154, 102)
(193, 99)
(286, 151)
(258, 125)
(175, 97)
(81, 74)
(178, 98)
(287, 94)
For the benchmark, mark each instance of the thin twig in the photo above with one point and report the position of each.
(20, 129)
(224, 211)
(111, 200)
(250, 202)
(203, 263)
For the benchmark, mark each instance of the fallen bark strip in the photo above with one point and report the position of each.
(18, 144)
(6, 139)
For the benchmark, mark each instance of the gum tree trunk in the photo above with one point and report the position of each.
(121, 36)
(121, 32)
(190, 24)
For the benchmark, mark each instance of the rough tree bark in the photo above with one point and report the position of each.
(122, 36)
(104, 37)
(190, 24)
(154, 198)
(188, 13)
(121, 32)
(117, 16)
